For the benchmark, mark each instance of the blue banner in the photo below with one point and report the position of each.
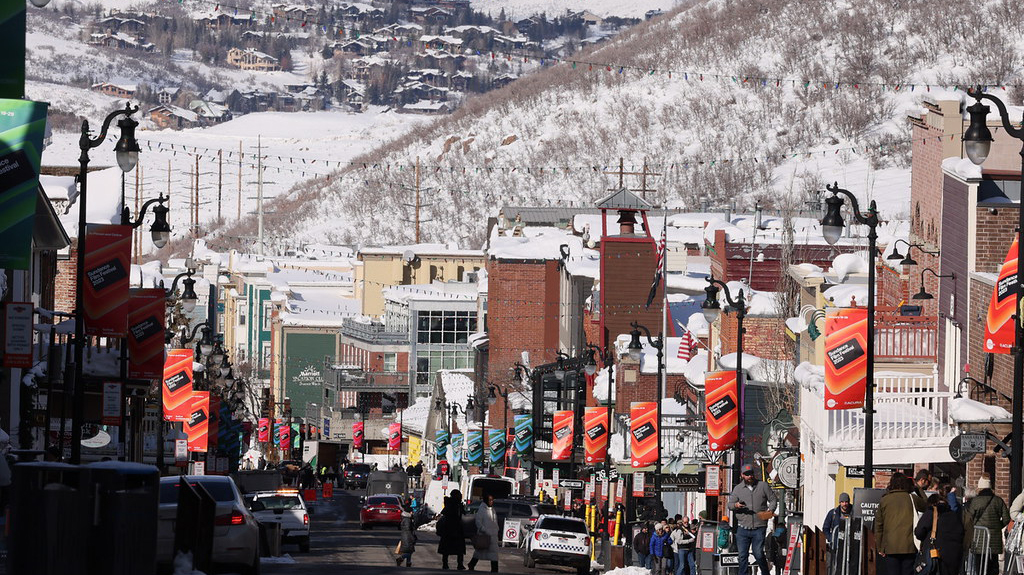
(475, 446)
(496, 443)
(441, 441)
(524, 433)
(457, 453)
(22, 127)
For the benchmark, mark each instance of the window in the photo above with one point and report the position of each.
(451, 327)
(390, 362)
(268, 311)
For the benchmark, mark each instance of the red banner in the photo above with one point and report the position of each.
(263, 431)
(561, 444)
(286, 436)
(357, 434)
(197, 426)
(999, 325)
(107, 272)
(722, 409)
(395, 436)
(177, 386)
(595, 436)
(146, 333)
(846, 360)
(643, 428)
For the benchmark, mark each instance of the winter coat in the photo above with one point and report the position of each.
(988, 510)
(760, 498)
(659, 543)
(894, 522)
(681, 539)
(487, 523)
(408, 541)
(949, 534)
(831, 522)
(642, 542)
(450, 529)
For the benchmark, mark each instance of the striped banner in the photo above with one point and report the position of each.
(722, 409)
(475, 446)
(561, 443)
(198, 424)
(177, 387)
(524, 433)
(496, 443)
(643, 428)
(457, 452)
(441, 442)
(357, 435)
(395, 436)
(263, 431)
(595, 438)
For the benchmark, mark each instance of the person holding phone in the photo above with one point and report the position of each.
(754, 503)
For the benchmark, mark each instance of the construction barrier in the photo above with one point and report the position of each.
(328, 490)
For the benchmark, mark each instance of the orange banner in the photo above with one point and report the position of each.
(999, 328)
(146, 333)
(846, 360)
(722, 409)
(561, 444)
(107, 265)
(198, 425)
(643, 428)
(177, 387)
(595, 436)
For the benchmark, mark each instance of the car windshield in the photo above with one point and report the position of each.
(358, 468)
(272, 502)
(219, 490)
(546, 509)
(382, 500)
(560, 524)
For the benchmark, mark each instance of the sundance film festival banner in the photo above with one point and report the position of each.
(357, 434)
(475, 446)
(846, 360)
(643, 430)
(524, 433)
(441, 441)
(107, 263)
(285, 436)
(177, 387)
(263, 431)
(562, 432)
(722, 409)
(197, 427)
(395, 436)
(999, 324)
(496, 444)
(457, 453)
(595, 433)
(146, 333)
(22, 128)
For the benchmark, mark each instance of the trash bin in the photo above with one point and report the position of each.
(51, 509)
(617, 557)
(123, 537)
(270, 539)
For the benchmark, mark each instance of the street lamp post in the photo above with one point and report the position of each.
(922, 294)
(832, 228)
(127, 153)
(503, 391)
(523, 371)
(712, 309)
(593, 352)
(636, 352)
(977, 144)
(906, 260)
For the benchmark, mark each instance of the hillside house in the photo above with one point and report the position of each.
(361, 12)
(510, 42)
(446, 43)
(426, 107)
(461, 81)
(169, 116)
(352, 93)
(251, 38)
(252, 60)
(209, 112)
(429, 15)
(254, 101)
(126, 91)
(168, 95)
(591, 19)
(429, 76)
(126, 25)
(121, 41)
(503, 80)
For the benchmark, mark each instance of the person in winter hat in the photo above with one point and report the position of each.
(988, 510)
(642, 546)
(754, 503)
(683, 549)
(407, 544)
(660, 543)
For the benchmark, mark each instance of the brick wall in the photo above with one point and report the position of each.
(522, 313)
(64, 283)
(995, 234)
(765, 337)
(954, 241)
(1002, 370)
(627, 272)
(633, 386)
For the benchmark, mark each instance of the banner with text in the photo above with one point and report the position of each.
(285, 437)
(595, 437)
(18, 336)
(524, 433)
(457, 452)
(357, 435)
(722, 410)
(197, 426)
(146, 333)
(177, 387)
(846, 361)
(22, 129)
(441, 443)
(999, 324)
(395, 436)
(263, 431)
(112, 401)
(643, 430)
(496, 444)
(107, 266)
(475, 446)
(562, 431)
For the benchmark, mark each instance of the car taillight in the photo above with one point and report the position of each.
(536, 535)
(235, 518)
(305, 519)
(586, 542)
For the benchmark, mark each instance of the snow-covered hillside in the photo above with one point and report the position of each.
(604, 8)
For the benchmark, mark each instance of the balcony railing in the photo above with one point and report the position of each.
(905, 337)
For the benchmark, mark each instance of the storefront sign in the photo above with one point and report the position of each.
(111, 403)
(18, 334)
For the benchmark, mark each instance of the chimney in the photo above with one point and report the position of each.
(627, 222)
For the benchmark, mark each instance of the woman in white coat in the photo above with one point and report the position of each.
(487, 524)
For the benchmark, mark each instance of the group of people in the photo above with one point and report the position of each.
(452, 533)
(667, 547)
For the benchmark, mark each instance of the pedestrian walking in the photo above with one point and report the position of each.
(987, 510)
(833, 520)
(486, 524)
(450, 530)
(754, 503)
(949, 534)
(894, 526)
(683, 547)
(641, 546)
(660, 542)
(407, 544)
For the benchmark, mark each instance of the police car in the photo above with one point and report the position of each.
(284, 506)
(557, 540)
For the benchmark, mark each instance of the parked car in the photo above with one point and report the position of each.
(557, 540)
(381, 510)
(286, 507)
(355, 475)
(526, 510)
(235, 533)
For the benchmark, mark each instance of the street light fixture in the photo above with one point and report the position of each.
(160, 231)
(832, 227)
(636, 351)
(922, 294)
(188, 296)
(906, 260)
(127, 152)
(712, 309)
(977, 144)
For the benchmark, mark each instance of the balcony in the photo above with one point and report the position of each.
(903, 338)
(373, 333)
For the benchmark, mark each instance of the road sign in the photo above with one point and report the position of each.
(571, 483)
(726, 559)
(788, 469)
(513, 527)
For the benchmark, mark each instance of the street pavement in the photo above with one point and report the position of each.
(338, 545)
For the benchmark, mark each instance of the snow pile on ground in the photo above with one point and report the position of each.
(429, 527)
(631, 570)
(962, 409)
(284, 559)
(183, 565)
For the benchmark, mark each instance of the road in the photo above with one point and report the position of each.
(337, 542)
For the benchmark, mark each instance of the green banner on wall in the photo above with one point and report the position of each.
(12, 46)
(22, 128)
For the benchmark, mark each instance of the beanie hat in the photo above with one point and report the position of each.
(658, 526)
(984, 482)
(844, 497)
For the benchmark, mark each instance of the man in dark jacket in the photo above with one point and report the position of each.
(949, 534)
(988, 510)
(641, 546)
(754, 503)
(833, 518)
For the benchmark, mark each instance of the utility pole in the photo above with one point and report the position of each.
(136, 235)
(417, 199)
(259, 193)
(195, 206)
(644, 173)
(239, 206)
(220, 179)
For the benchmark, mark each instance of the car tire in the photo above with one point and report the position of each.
(528, 560)
(583, 569)
(304, 545)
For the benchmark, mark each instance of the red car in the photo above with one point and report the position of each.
(381, 510)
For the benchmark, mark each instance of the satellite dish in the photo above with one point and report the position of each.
(409, 257)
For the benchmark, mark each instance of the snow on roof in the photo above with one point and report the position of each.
(104, 202)
(457, 386)
(414, 417)
(147, 275)
(966, 410)
(963, 168)
(601, 384)
(426, 105)
(421, 250)
(758, 368)
(649, 361)
(544, 242)
(844, 295)
(810, 377)
(58, 188)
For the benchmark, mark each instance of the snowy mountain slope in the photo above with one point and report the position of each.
(524, 8)
(752, 89)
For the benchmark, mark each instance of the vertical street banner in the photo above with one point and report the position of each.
(395, 436)
(107, 265)
(213, 434)
(722, 409)
(595, 436)
(18, 334)
(999, 324)
(524, 433)
(846, 361)
(197, 426)
(146, 309)
(638, 484)
(357, 435)
(643, 430)
(276, 433)
(327, 428)
(263, 431)
(457, 453)
(441, 442)
(415, 450)
(111, 403)
(496, 444)
(475, 446)
(562, 435)
(22, 128)
(177, 387)
(285, 438)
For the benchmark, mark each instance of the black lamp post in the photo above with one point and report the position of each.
(906, 260)
(160, 230)
(127, 153)
(922, 294)
(712, 309)
(832, 228)
(593, 352)
(520, 372)
(502, 391)
(636, 352)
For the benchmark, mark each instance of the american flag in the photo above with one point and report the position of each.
(686, 346)
(660, 262)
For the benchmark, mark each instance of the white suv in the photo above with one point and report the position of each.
(557, 540)
(286, 507)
